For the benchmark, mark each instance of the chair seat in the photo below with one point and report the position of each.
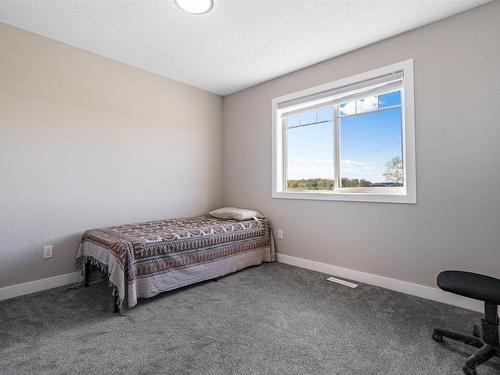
(472, 285)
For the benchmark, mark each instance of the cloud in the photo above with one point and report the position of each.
(323, 161)
(323, 168)
(370, 103)
(298, 172)
(300, 159)
(361, 170)
(355, 165)
(348, 108)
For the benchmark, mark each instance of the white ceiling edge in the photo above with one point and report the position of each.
(238, 45)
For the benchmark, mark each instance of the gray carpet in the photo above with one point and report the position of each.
(271, 319)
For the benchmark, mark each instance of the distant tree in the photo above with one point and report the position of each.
(354, 182)
(346, 182)
(394, 171)
(364, 183)
(311, 184)
(325, 183)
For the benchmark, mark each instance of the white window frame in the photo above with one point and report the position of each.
(406, 194)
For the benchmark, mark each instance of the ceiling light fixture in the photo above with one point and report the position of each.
(195, 6)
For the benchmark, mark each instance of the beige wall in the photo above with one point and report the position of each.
(88, 142)
(456, 222)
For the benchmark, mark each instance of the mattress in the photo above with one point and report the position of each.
(145, 259)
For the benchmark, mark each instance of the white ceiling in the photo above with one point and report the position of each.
(238, 44)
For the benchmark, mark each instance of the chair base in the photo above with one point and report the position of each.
(485, 352)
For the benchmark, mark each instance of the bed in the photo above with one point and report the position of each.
(145, 259)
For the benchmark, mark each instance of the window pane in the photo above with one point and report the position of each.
(325, 114)
(370, 103)
(348, 108)
(293, 120)
(389, 99)
(308, 118)
(371, 149)
(310, 155)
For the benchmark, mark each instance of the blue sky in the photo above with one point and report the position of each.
(367, 141)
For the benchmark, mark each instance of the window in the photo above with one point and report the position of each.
(351, 139)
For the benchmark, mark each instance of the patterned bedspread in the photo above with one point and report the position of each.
(138, 256)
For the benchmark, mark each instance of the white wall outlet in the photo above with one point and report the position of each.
(280, 234)
(47, 251)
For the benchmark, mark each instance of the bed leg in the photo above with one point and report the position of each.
(86, 273)
(116, 301)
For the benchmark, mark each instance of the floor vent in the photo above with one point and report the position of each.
(343, 282)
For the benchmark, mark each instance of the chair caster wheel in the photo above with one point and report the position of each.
(469, 371)
(437, 337)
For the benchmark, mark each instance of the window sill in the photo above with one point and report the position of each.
(379, 196)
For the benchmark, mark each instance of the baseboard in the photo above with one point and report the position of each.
(413, 289)
(16, 290)
(418, 290)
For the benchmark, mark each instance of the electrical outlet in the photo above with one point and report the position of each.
(280, 234)
(47, 251)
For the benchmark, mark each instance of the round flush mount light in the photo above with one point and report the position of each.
(195, 6)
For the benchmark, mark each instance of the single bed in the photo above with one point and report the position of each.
(144, 259)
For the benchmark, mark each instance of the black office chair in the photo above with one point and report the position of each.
(483, 288)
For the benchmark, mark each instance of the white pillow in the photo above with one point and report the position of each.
(235, 213)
